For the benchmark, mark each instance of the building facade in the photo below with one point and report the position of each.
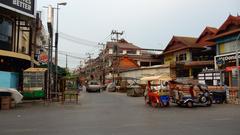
(18, 31)
(186, 57)
(118, 56)
(226, 48)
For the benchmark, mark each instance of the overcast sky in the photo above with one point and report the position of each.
(146, 23)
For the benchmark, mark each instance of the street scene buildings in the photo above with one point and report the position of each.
(198, 72)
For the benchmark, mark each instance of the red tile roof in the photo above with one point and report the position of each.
(225, 34)
(229, 27)
(231, 20)
(208, 32)
(212, 29)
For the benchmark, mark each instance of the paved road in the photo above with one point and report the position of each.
(116, 114)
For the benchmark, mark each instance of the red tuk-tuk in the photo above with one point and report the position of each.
(157, 91)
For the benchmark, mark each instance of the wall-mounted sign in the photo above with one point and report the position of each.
(222, 59)
(26, 7)
(43, 58)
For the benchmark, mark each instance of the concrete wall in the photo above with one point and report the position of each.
(151, 71)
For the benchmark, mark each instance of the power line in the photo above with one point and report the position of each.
(72, 56)
(79, 41)
(106, 38)
(66, 52)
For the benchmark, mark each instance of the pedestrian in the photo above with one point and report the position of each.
(226, 89)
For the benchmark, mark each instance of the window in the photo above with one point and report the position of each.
(120, 51)
(131, 51)
(182, 73)
(110, 51)
(228, 47)
(181, 57)
(6, 27)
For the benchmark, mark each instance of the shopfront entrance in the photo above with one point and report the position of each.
(227, 63)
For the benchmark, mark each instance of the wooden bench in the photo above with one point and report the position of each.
(70, 94)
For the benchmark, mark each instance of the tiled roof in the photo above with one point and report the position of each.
(208, 32)
(186, 42)
(225, 34)
(229, 27)
(212, 29)
(189, 41)
(123, 44)
(235, 20)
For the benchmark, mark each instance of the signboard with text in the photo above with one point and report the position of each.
(220, 60)
(25, 7)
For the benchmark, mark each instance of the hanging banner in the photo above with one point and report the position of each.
(25, 7)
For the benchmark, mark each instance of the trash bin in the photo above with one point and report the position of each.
(5, 102)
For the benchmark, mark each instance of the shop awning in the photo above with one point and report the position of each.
(17, 55)
(229, 69)
(35, 70)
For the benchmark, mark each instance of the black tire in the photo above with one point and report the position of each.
(209, 102)
(154, 105)
(203, 99)
(167, 105)
(189, 104)
(147, 102)
(218, 101)
(178, 104)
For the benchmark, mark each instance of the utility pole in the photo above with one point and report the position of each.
(66, 61)
(50, 46)
(116, 33)
(103, 62)
(115, 47)
(90, 60)
(56, 48)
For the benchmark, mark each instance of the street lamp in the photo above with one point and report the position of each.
(56, 46)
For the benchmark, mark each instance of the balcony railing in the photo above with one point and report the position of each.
(191, 63)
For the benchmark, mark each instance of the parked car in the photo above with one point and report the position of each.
(93, 86)
(135, 90)
(111, 87)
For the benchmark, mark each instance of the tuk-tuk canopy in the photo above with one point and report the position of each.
(163, 77)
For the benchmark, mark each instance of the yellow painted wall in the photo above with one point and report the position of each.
(168, 59)
(221, 47)
(24, 40)
(188, 55)
(190, 72)
(172, 57)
